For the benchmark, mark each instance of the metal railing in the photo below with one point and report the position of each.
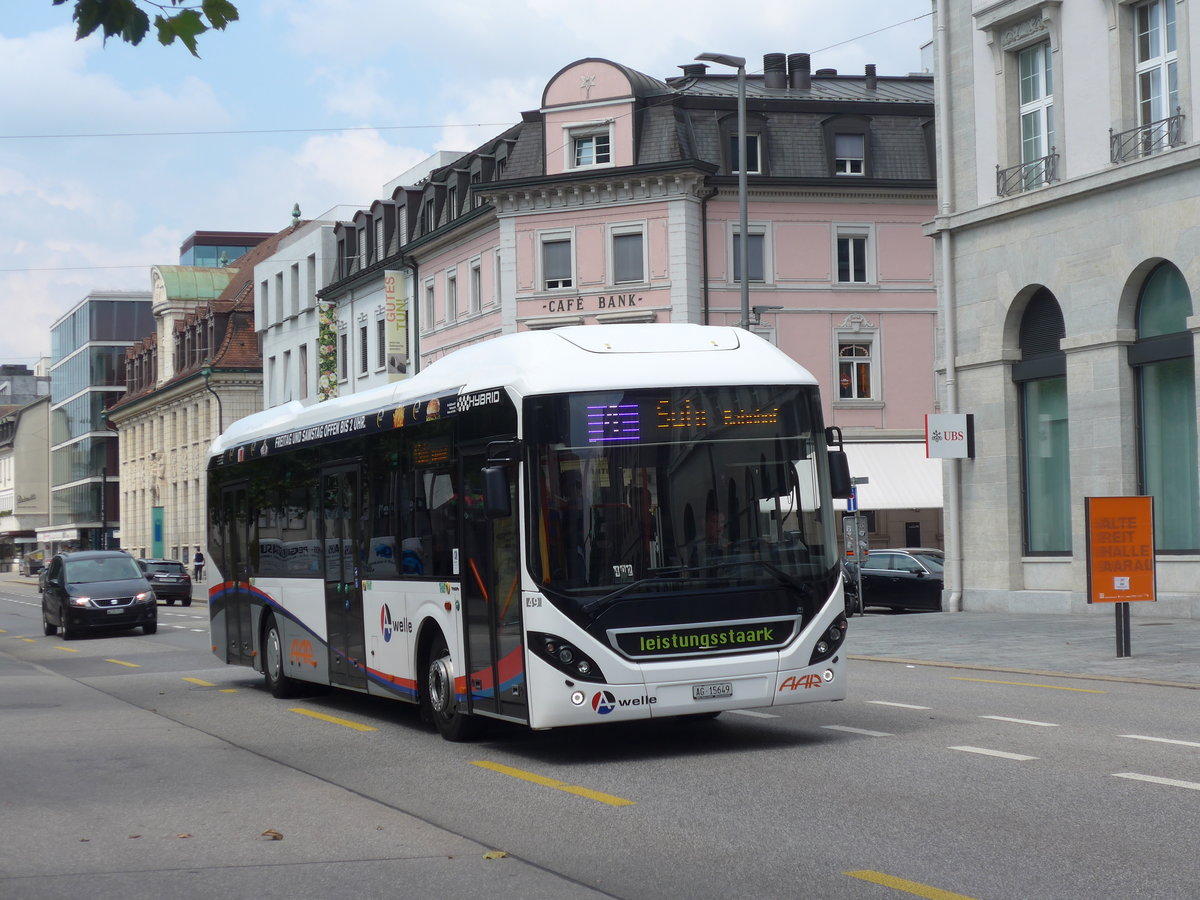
(1027, 175)
(1146, 139)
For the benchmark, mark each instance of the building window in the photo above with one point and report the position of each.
(451, 202)
(427, 307)
(428, 217)
(362, 248)
(475, 297)
(1163, 359)
(590, 148)
(496, 287)
(627, 257)
(363, 349)
(1041, 378)
(379, 239)
(343, 356)
(302, 372)
(756, 271)
(852, 257)
(1157, 77)
(451, 296)
(855, 368)
(1036, 75)
(380, 343)
(753, 166)
(849, 154)
(556, 263)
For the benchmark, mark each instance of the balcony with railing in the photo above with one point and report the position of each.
(1145, 140)
(1027, 175)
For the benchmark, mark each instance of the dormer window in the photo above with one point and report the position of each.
(589, 146)
(848, 146)
(752, 155)
(849, 154)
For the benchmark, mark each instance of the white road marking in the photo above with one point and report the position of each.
(752, 713)
(850, 730)
(983, 751)
(901, 705)
(1022, 721)
(1170, 782)
(1144, 737)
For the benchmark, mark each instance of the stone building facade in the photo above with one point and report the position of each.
(1069, 196)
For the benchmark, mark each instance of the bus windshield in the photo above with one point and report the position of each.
(645, 490)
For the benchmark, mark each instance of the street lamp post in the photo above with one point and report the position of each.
(739, 63)
(206, 371)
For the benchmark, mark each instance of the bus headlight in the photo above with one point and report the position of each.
(564, 656)
(830, 642)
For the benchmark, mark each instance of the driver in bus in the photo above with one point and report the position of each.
(711, 547)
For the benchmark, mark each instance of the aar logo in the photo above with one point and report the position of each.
(604, 702)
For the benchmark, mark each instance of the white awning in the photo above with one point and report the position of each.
(901, 476)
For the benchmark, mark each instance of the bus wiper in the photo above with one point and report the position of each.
(667, 573)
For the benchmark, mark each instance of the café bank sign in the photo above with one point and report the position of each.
(598, 303)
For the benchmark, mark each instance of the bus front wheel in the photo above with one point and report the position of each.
(279, 684)
(438, 701)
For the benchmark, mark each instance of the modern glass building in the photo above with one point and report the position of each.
(217, 249)
(87, 373)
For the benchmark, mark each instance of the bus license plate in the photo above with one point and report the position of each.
(710, 691)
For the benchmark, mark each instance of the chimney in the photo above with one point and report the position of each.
(774, 71)
(871, 80)
(826, 71)
(800, 67)
(694, 70)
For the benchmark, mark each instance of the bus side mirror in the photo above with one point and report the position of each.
(840, 485)
(497, 498)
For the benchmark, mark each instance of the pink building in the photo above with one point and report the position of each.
(617, 201)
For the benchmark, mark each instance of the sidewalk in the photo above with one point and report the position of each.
(1165, 651)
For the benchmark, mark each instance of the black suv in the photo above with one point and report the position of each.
(170, 580)
(96, 589)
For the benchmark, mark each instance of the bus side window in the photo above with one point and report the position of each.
(441, 503)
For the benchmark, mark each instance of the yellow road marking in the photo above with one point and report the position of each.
(29, 640)
(229, 690)
(909, 887)
(333, 719)
(66, 649)
(200, 682)
(598, 796)
(123, 663)
(1051, 687)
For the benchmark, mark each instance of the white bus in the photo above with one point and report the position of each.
(585, 525)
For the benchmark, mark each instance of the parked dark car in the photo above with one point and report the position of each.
(170, 580)
(96, 589)
(907, 578)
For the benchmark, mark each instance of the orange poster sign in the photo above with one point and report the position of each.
(1120, 549)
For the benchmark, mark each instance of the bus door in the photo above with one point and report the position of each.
(491, 591)
(342, 504)
(236, 536)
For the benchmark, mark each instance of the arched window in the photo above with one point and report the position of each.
(1166, 414)
(1041, 378)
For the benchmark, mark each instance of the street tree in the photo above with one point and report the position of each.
(127, 20)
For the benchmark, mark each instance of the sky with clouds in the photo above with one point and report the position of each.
(111, 155)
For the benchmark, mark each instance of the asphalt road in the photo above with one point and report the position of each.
(136, 766)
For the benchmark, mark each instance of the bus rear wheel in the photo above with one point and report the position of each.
(279, 684)
(438, 701)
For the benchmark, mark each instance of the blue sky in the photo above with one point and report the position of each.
(111, 155)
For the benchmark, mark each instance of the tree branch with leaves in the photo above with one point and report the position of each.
(127, 20)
